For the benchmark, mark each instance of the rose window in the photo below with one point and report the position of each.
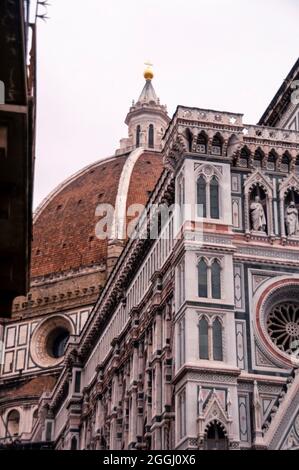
(283, 326)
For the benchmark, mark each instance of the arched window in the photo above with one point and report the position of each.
(74, 443)
(202, 279)
(13, 423)
(138, 136)
(214, 198)
(217, 340)
(258, 158)
(189, 137)
(285, 162)
(217, 145)
(151, 136)
(203, 339)
(215, 438)
(201, 143)
(201, 197)
(216, 280)
(271, 162)
(208, 197)
(244, 157)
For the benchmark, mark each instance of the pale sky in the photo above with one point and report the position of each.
(227, 55)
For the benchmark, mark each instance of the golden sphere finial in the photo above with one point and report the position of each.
(148, 73)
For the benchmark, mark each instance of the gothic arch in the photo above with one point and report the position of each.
(259, 158)
(217, 144)
(205, 317)
(213, 412)
(286, 160)
(211, 194)
(206, 259)
(202, 140)
(243, 157)
(209, 263)
(290, 183)
(272, 160)
(258, 179)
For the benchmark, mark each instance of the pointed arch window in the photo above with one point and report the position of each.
(201, 143)
(244, 157)
(189, 137)
(201, 197)
(151, 136)
(202, 278)
(138, 130)
(214, 198)
(217, 340)
(217, 145)
(203, 338)
(209, 279)
(285, 162)
(208, 197)
(271, 161)
(216, 279)
(258, 158)
(210, 339)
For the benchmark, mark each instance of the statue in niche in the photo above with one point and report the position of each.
(291, 218)
(257, 215)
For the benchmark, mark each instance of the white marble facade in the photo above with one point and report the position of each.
(196, 348)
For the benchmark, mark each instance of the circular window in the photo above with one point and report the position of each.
(276, 320)
(283, 326)
(49, 341)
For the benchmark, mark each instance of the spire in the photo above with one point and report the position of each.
(148, 94)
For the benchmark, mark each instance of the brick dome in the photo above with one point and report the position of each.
(64, 226)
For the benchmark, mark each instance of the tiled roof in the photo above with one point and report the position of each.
(64, 230)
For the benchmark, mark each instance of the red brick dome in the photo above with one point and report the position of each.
(64, 225)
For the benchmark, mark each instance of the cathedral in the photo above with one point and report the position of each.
(163, 311)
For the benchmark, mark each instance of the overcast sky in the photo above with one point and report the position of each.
(220, 54)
